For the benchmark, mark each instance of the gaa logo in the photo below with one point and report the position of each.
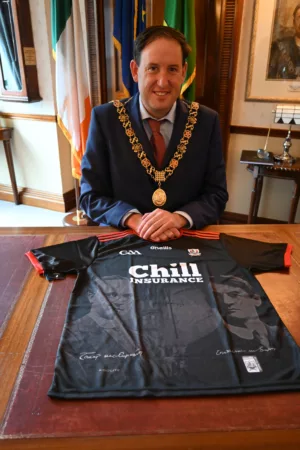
(194, 252)
(129, 252)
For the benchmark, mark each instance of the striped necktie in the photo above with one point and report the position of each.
(158, 142)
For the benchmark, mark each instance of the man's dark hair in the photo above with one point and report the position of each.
(236, 282)
(150, 34)
(295, 10)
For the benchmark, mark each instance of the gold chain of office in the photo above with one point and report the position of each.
(159, 197)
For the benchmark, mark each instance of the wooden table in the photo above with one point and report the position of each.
(284, 171)
(230, 422)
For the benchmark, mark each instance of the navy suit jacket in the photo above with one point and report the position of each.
(114, 182)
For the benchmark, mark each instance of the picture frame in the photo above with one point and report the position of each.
(18, 70)
(272, 76)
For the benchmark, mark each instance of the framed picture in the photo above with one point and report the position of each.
(274, 62)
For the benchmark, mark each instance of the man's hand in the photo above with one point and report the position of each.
(134, 221)
(168, 235)
(161, 225)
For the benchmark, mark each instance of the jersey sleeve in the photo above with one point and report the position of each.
(56, 261)
(257, 256)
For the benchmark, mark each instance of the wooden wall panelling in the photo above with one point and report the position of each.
(41, 199)
(221, 20)
(101, 49)
(227, 28)
(261, 131)
(96, 50)
(231, 30)
(39, 117)
(155, 12)
(208, 20)
(93, 51)
(201, 45)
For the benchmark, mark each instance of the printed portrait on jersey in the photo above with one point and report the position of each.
(238, 306)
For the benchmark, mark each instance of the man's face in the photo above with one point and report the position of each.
(240, 304)
(118, 293)
(297, 23)
(159, 75)
(111, 294)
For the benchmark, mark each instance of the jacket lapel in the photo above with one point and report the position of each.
(133, 109)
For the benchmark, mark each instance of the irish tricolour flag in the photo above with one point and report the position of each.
(72, 87)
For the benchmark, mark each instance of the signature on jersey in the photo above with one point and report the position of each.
(86, 356)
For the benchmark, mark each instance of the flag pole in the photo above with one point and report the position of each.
(80, 220)
(76, 218)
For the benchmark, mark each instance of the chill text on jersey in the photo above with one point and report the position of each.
(174, 273)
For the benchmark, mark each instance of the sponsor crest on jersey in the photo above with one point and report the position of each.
(251, 363)
(194, 252)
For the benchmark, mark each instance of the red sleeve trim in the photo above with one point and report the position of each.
(287, 256)
(202, 234)
(114, 235)
(36, 264)
(183, 232)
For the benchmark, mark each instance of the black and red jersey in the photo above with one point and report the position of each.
(179, 318)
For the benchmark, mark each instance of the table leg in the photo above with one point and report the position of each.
(294, 202)
(260, 180)
(11, 170)
(253, 194)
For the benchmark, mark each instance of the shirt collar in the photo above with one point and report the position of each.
(145, 115)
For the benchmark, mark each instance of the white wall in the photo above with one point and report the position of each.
(41, 154)
(35, 155)
(276, 194)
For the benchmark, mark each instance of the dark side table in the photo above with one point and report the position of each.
(268, 168)
(5, 136)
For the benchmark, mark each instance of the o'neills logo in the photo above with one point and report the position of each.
(174, 273)
(153, 247)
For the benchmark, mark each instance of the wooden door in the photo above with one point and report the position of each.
(217, 34)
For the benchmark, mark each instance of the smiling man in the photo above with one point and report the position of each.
(154, 162)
